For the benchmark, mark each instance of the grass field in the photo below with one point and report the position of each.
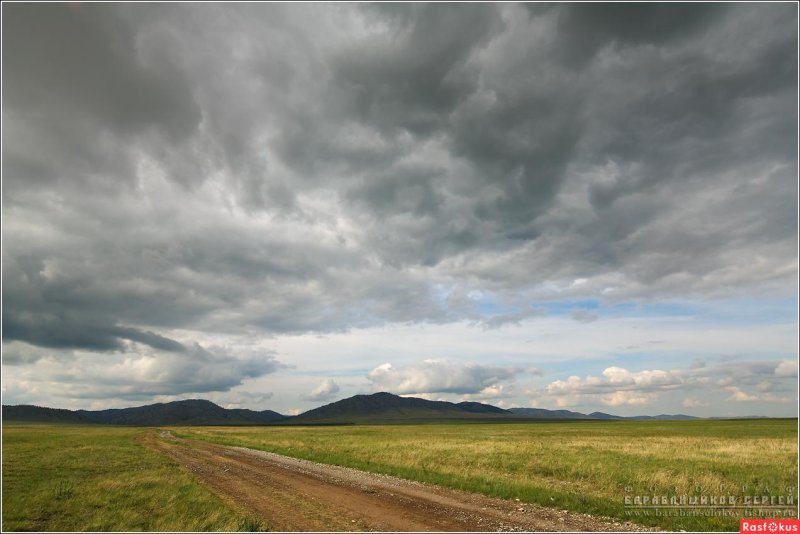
(66, 477)
(584, 466)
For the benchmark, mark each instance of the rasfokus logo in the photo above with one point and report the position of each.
(769, 526)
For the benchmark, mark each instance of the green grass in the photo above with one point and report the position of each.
(59, 477)
(68, 477)
(582, 466)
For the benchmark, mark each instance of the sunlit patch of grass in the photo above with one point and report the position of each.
(584, 466)
(64, 490)
(251, 524)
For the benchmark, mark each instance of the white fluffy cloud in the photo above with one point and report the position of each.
(615, 379)
(621, 387)
(439, 376)
(787, 368)
(326, 390)
(739, 395)
(628, 398)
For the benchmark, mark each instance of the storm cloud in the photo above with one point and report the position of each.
(173, 171)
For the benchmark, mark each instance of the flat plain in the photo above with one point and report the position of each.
(70, 477)
(586, 466)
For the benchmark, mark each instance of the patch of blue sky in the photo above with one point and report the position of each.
(563, 307)
(489, 307)
(723, 311)
(641, 359)
(651, 309)
(731, 310)
(750, 311)
(328, 373)
(574, 367)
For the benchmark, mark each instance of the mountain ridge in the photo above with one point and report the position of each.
(387, 406)
(566, 414)
(364, 408)
(185, 412)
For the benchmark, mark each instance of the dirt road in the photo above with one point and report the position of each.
(288, 494)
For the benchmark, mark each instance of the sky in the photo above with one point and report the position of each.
(568, 206)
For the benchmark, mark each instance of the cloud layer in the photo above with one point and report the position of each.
(136, 374)
(176, 172)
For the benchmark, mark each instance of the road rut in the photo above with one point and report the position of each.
(288, 494)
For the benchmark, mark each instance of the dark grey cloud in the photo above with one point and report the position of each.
(85, 62)
(414, 79)
(77, 89)
(254, 170)
(59, 332)
(142, 375)
(513, 318)
(587, 27)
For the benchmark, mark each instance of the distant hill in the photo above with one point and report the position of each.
(541, 413)
(477, 407)
(388, 407)
(663, 417)
(375, 408)
(186, 412)
(39, 414)
(601, 415)
(745, 417)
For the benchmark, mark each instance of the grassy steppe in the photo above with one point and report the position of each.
(59, 477)
(585, 466)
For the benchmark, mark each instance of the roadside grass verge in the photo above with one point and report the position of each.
(99, 478)
(581, 466)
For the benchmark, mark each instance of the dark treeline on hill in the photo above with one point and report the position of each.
(376, 408)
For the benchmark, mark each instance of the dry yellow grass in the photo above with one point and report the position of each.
(586, 466)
